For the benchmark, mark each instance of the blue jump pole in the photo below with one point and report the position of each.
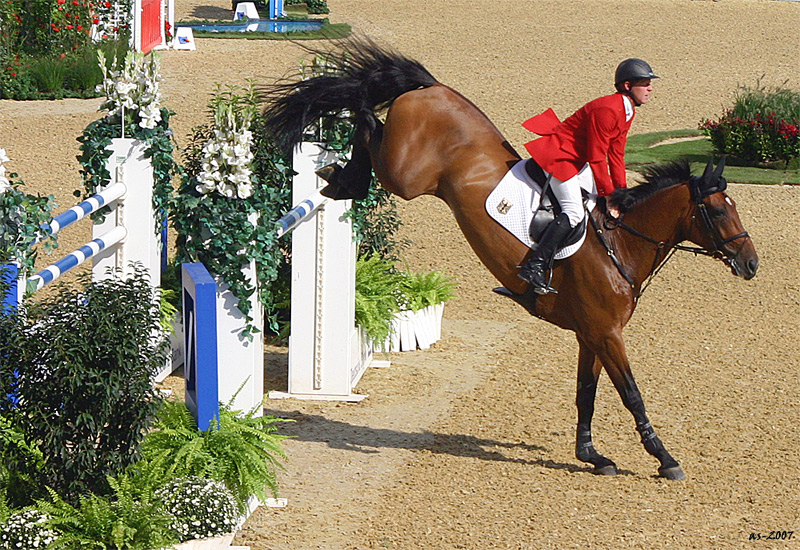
(76, 258)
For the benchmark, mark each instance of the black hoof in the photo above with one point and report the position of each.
(675, 473)
(607, 470)
(329, 172)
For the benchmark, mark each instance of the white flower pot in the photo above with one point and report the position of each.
(415, 329)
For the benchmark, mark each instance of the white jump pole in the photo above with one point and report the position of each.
(325, 353)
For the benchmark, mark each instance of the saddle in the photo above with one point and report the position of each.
(549, 208)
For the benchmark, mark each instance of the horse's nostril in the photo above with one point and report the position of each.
(752, 265)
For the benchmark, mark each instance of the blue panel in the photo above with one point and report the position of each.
(200, 340)
(10, 275)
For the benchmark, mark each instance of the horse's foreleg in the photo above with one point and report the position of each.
(588, 373)
(351, 181)
(613, 356)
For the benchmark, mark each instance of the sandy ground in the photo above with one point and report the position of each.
(470, 444)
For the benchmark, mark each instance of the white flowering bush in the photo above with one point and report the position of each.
(132, 92)
(227, 156)
(25, 530)
(201, 508)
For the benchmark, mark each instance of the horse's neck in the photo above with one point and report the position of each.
(663, 217)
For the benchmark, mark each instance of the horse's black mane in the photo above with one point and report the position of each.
(656, 178)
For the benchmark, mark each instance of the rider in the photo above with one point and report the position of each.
(594, 135)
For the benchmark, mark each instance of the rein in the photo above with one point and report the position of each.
(716, 238)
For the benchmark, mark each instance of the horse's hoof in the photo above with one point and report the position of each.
(675, 473)
(607, 470)
(329, 172)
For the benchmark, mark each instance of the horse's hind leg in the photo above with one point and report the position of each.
(588, 373)
(351, 181)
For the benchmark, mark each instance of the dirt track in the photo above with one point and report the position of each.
(470, 444)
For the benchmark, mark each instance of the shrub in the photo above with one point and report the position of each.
(762, 126)
(82, 363)
(201, 508)
(50, 74)
(242, 451)
(27, 529)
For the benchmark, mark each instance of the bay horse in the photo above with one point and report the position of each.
(434, 141)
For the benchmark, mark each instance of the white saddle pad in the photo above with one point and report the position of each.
(516, 198)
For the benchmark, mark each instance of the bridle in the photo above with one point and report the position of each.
(717, 240)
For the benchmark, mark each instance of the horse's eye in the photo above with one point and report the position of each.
(717, 213)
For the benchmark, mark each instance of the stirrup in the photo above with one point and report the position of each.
(541, 286)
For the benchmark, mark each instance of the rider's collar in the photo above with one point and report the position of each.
(628, 103)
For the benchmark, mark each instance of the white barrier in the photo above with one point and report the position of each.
(326, 356)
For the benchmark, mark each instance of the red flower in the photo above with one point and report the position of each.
(96, 21)
(70, 27)
(13, 74)
(79, 27)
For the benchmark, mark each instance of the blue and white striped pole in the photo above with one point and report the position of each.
(76, 258)
(80, 211)
(300, 213)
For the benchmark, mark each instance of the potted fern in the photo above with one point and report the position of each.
(397, 310)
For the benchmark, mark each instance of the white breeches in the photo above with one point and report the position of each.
(569, 198)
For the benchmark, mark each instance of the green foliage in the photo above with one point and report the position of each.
(22, 460)
(80, 364)
(762, 126)
(243, 451)
(21, 215)
(377, 296)
(49, 74)
(420, 290)
(313, 6)
(129, 519)
(201, 508)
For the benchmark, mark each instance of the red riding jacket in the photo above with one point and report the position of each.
(596, 134)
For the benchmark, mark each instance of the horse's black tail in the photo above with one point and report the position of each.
(357, 79)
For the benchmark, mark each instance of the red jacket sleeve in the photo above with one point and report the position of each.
(602, 125)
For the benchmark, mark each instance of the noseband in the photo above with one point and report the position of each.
(718, 241)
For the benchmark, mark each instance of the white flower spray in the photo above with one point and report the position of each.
(133, 89)
(228, 155)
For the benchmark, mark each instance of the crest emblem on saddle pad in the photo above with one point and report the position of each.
(504, 206)
(515, 199)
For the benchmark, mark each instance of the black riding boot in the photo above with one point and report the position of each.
(535, 269)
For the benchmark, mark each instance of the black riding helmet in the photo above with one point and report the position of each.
(632, 69)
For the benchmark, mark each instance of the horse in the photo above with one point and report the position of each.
(434, 141)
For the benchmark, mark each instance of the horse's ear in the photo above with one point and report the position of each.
(718, 171)
(708, 171)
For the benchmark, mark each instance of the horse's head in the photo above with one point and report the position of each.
(716, 226)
